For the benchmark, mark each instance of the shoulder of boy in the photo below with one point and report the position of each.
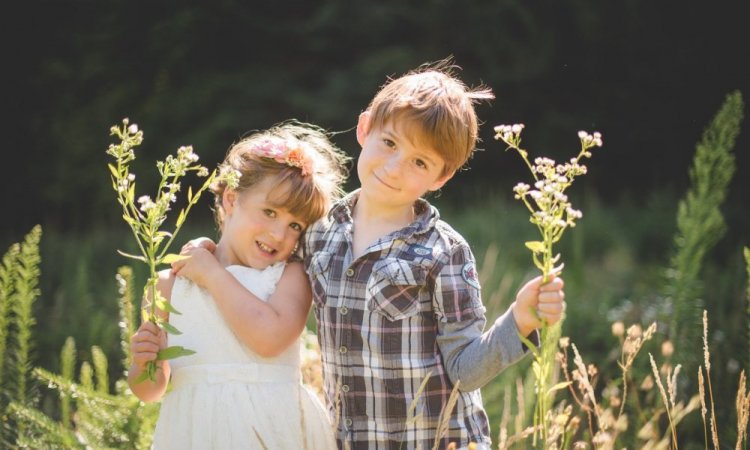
(461, 253)
(469, 274)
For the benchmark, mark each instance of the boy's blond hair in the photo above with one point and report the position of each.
(440, 106)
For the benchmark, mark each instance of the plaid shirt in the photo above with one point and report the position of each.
(406, 311)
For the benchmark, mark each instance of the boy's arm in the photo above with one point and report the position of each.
(475, 357)
(471, 355)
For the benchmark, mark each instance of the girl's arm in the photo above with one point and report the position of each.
(145, 344)
(268, 328)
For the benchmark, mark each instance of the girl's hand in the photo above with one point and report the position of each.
(199, 267)
(537, 302)
(146, 343)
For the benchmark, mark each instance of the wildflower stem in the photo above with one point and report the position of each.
(552, 214)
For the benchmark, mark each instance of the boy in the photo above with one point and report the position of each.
(395, 289)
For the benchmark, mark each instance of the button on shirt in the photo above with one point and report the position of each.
(407, 312)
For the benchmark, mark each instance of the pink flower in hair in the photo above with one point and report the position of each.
(278, 150)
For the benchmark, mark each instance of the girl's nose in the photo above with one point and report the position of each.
(277, 231)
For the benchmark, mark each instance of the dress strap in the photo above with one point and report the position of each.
(248, 373)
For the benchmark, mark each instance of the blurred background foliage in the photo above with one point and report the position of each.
(648, 75)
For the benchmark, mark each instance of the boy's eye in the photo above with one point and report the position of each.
(269, 212)
(420, 163)
(389, 143)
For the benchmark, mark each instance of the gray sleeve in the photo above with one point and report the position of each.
(474, 357)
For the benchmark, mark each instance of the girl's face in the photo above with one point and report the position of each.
(257, 232)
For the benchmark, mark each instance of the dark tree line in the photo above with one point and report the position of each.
(648, 75)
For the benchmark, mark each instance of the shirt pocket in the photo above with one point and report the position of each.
(395, 287)
(319, 271)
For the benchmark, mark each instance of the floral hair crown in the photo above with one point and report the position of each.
(297, 154)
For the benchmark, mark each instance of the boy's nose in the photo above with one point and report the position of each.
(393, 165)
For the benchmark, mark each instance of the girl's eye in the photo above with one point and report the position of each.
(269, 212)
(297, 227)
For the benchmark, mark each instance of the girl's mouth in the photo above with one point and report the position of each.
(265, 248)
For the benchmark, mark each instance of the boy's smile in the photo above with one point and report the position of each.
(395, 168)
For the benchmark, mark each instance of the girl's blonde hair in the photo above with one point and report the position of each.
(300, 157)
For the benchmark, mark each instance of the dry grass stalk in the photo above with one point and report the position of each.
(502, 434)
(521, 405)
(664, 398)
(563, 357)
(630, 348)
(707, 362)
(743, 411)
(704, 411)
(520, 436)
(581, 375)
(445, 415)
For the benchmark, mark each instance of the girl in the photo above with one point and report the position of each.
(244, 307)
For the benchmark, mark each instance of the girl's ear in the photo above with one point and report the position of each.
(227, 200)
(363, 127)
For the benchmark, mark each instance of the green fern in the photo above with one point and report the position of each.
(7, 269)
(96, 418)
(700, 224)
(26, 292)
(100, 369)
(87, 375)
(43, 432)
(127, 319)
(747, 261)
(67, 368)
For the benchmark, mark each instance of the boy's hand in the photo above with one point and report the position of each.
(199, 268)
(203, 242)
(537, 302)
(146, 343)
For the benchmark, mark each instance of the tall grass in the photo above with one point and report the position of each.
(614, 288)
(700, 225)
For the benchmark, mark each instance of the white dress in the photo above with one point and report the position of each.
(227, 397)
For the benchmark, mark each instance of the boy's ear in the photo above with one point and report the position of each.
(227, 200)
(441, 181)
(363, 127)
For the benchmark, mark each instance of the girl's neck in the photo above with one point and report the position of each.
(223, 255)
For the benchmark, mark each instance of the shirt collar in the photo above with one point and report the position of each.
(426, 214)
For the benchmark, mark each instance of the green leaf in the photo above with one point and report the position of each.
(113, 169)
(558, 387)
(173, 352)
(169, 258)
(535, 246)
(142, 377)
(127, 255)
(166, 306)
(558, 270)
(530, 345)
(169, 328)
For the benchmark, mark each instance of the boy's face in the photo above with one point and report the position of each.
(395, 166)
